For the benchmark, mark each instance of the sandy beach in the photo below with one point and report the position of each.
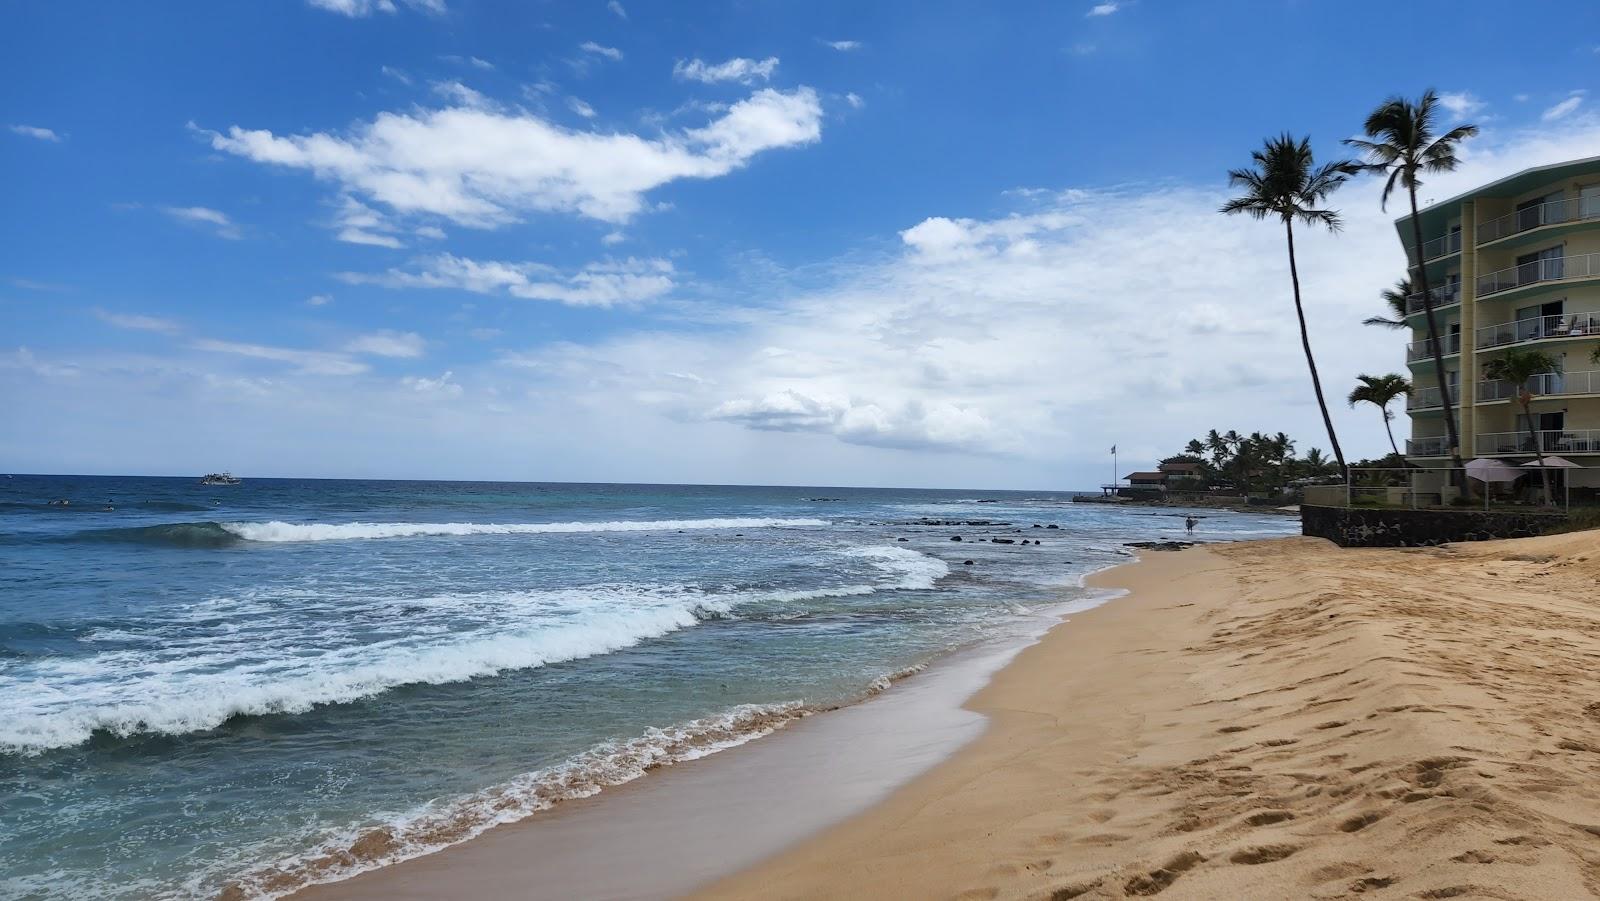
(1271, 720)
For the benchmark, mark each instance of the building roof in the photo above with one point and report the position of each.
(1146, 476)
(1180, 466)
(1435, 215)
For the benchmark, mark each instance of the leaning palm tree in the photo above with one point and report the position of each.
(1519, 367)
(1395, 299)
(1403, 145)
(1381, 391)
(1286, 184)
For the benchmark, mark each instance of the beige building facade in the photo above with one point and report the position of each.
(1513, 264)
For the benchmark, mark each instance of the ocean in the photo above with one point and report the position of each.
(241, 690)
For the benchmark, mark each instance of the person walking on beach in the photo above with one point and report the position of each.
(1189, 522)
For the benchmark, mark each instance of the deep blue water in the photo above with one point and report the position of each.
(257, 685)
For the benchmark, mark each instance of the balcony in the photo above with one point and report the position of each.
(1443, 296)
(1568, 441)
(1549, 384)
(1556, 212)
(1442, 246)
(1423, 350)
(1557, 269)
(1539, 328)
(1428, 447)
(1427, 398)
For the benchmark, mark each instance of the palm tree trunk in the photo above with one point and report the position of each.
(1390, 429)
(1311, 362)
(1538, 450)
(1433, 339)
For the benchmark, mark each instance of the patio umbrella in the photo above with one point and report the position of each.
(1487, 469)
(1553, 462)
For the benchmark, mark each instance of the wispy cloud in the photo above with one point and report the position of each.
(843, 46)
(319, 300)
(472, 61)
(1461, 104)
(617, 10)
(581, 108)
(34, 131)
(360, 9)
(601, 284)
(397, 74)
(484, 167)
(855, 100)
(443, 386)
(1564, 108)
(216, 220)
(740, 69)
(358, 223)
(385, 343)
(1104, 9)
(310, 362)
(610, 53)
(138, 322)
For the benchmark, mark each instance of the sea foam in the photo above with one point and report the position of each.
(283, 531)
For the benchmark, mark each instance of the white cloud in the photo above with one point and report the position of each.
(613, 238)
(386, 343)
(1104, 9)
(308, 362)
(1564, 108)
(616, 8)
(595, 285)
(199, 215)
(461, 95)
(34, 131)
(740, 69)
(844, 46)
(473, 61)
(360, 224)
(397, 74)
(431, 232)
(443, 386)
(1461, 104)
(581, 108)
(854, 100)
(138, 322)
(483, 168)
(357, 9)
(319, 300)
(610, 53)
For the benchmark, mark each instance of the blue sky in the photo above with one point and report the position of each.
(945, 244)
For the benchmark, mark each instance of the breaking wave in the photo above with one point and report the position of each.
(219, 534)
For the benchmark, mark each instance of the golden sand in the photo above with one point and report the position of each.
(1279, 719)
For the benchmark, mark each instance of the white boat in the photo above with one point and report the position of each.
(220, 478)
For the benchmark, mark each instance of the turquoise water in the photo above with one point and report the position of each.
(248, 688)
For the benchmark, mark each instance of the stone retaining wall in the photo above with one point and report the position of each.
(1380, 527)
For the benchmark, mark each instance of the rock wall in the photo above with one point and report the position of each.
(1381, 527)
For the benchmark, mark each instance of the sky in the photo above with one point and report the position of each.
(926, 244)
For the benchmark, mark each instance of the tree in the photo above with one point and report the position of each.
(1519, 367)
(1403, 145)
(1395, 299)
(1285, 183)
(1380, 391)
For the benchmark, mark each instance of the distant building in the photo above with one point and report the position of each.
(1514, 263)
(1148, 480)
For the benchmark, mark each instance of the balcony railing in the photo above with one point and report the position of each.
(1441, 246)
(1428, 447)
(1556, 212)
(1427, 398)
(1582, 265)
(1538, 328)
(1549, 384)
(1423, 350)
(1568, 441)
(1443, 296)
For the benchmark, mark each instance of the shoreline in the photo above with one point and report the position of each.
(696, 821)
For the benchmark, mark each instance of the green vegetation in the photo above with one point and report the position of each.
(1519, 367)
(1381, 391)
(1255, 464)
(1285, 183)
(1395, 299)
(1403, 145)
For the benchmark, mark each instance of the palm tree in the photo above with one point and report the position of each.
(1380, 391)
(1403, 145)
(1395, 299)
(1286, 184)
(1519, 367)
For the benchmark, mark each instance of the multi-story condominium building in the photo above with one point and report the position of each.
(1515, 263)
